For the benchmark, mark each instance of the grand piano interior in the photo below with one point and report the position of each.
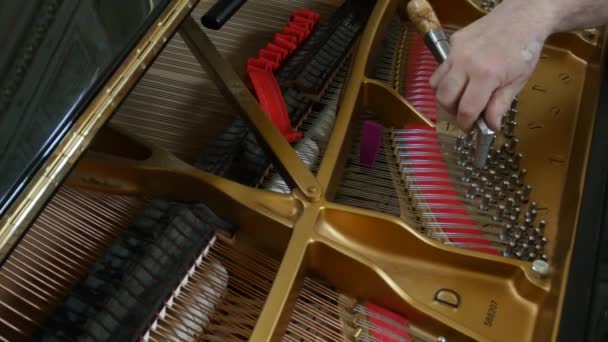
(289, 176)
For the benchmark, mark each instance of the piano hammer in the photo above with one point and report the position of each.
(423, 16)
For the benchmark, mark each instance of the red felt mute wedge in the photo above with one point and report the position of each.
(308, 23)
(386, 325)
(298, 34)
(429, 175)
(277, 49)
(286, 42)
(450, 214)
(267, 90)
(261, 64)
(306, 13)
(270, 56)
(256, 64)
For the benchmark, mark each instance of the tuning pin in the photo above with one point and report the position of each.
(517, 212)
(508, 129)
(472, 191)
(492, 176)
(512, 185)
(531, 213)
(494, 196)
(484, 181)
(510, 250)
(498, 194)
(503, 237)
(513, 145)
(466, 177)
(526, 194)
(510, 161)
(505, 186)
(517, 198)
(514, 104)
(501, 211)
(501, 171)
(513, 180)
(533, 205)
(469, 172)
(520, 179)
(516, 161)
(509, 204)
(496, 154)
(505, 150)
(485, 202)
(462, 159)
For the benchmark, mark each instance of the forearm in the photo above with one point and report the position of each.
(579, 14)
(552, 16)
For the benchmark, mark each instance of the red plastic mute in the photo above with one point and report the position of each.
(267, 90)
(305, 13)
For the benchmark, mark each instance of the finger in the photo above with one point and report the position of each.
(474, 101)
(439, 73)
(450, 90)
(500, 102)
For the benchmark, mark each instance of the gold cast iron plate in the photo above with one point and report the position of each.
(376, 256)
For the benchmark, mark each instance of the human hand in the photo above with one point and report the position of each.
(489, 63)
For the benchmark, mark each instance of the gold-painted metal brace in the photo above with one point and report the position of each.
(236, 90)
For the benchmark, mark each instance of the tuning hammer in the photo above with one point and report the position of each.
(423, 16)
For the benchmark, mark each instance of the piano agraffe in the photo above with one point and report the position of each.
(288, 176)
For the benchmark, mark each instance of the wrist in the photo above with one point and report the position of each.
(551, 13)
(537, 18)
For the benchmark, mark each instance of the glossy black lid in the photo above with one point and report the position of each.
(56, 54)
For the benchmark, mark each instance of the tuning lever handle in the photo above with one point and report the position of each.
(220, 13)
(422, 15)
